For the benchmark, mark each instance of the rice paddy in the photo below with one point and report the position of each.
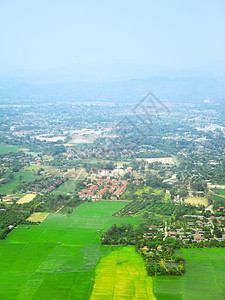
(62, 258)
(122, 275)
(57, 259)
(203, 279)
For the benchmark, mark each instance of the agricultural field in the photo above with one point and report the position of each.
(57, 259)
(143, 190)
(26, 199)
(196, 201)
(133, 208)
(22, 175)
(203, 279)
(8, 148)
(68, 186)
(122, 275)
(38, 216)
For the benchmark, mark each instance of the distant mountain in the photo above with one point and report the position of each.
(104, 73)
(174, 89)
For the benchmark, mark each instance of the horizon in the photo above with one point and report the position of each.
(52, 35)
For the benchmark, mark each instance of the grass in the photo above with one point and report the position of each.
(167, 197)
(221, 192)
(203, 279)
(158, 191)
(143, 190)
(8, 148)
(68, 186)
(27, 176)
(57, 259)
(122, 275)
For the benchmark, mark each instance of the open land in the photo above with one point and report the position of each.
(163, 160)
(79, 139)
(51, 139)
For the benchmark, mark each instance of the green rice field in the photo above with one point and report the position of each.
(57, 259)
(204, 277)
(62, 258)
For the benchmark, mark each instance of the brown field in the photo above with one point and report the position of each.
(196, 201)
(26, 199)
(38, 217)
(163, 160)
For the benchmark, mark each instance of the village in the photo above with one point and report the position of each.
(106, 184)
(199, 229)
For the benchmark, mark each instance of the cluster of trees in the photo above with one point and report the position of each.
(161, 263)
(156, 269)
(11, 217)
(52, 203)
(156, 205)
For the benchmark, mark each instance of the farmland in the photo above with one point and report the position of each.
(23, 175)
(68, 186)
(196, 201)
(26, 199)
(203, 279)
(38, 217)
(56, 259)
(8, 148)
(122, 275)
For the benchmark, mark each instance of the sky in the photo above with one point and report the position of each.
(53, 33)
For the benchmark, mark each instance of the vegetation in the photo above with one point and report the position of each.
(122, 274)
(203, 278)
(59, 255)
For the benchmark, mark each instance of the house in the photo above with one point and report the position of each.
(102, 192)
(199, 222)
(152, 226)
(198, 237)
(190, 223)
(121, 190)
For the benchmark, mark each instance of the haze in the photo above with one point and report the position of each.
(170, 34)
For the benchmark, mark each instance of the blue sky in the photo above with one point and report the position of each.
(52, 33)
